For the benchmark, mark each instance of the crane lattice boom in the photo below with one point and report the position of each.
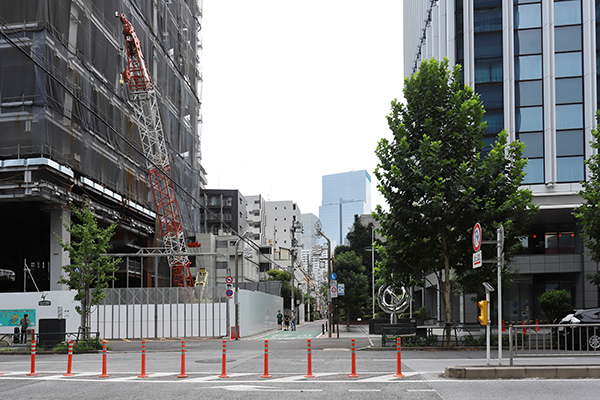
(143, 98)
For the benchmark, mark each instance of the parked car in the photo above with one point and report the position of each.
(581, 330)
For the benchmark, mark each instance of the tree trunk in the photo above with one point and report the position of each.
(447, 305)
(85, 313)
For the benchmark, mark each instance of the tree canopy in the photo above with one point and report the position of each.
(90, 269)
(588, 214)
(438, 182)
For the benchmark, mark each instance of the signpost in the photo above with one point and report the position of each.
(499, 261)
(477, 259)
(333, 289)
(477, 234)
(340, 289)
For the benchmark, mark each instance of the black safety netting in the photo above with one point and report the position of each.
(62, 95)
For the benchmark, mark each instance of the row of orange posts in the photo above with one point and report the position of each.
(266, 374)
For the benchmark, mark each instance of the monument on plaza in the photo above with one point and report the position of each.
(393, 303)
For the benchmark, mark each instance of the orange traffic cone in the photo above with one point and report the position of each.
(503, 328)
(537, 328)
(524, 329)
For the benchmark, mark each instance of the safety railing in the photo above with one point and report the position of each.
(553, 340)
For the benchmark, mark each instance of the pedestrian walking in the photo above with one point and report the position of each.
(293, 320)
(279, 319)
(286, 322)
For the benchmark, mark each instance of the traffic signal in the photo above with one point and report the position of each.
(483, 310)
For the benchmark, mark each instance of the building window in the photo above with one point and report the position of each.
(529, 93)
(221, 264)
(567, 12)
(534, 171)
(534, 144)
(567, 38)
(569, 116)
(569, 90)
(528, 67)
(528, 16)
(550, 239)
(569, 169)
(530, 119)
(568, 64)
(528, 41)
(569, 143)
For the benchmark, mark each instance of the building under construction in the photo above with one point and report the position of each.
(68, 132)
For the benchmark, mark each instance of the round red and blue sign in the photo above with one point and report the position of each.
(477, 234)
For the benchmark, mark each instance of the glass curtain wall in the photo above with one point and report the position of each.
(487, 23)
(529, 88)
(569, 91)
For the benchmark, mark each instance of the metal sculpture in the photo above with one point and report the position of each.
(392, 303)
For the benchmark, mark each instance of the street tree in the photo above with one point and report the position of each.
(360, 240)
(286, 287)
(90, 269)
(588, 214)
(351, 272)
(438, 182)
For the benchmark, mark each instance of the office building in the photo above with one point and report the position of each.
(344, 195)
(534, 65)
(67, 130)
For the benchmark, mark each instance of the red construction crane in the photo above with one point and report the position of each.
(143, 99)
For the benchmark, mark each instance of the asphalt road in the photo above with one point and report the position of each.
(287, 365)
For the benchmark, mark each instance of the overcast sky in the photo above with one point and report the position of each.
(294, 90)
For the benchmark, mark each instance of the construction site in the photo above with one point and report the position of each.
(78, 125)
(100, 105)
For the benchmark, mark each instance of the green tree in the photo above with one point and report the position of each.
(90, 269)
(555, 303)
(286, 287)
(588, 214)
(350, 271)
(438, 184)
(360, 240)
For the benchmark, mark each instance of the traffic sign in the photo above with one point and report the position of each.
(229, 293)
(477, 234)
(333, 276)
(477, 259)
(340, 289)
(229, 279)
(333, 291)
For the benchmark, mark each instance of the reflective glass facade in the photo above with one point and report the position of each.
(344, 196)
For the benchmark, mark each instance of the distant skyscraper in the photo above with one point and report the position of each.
(344, 195)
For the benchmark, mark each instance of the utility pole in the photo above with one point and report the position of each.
(318, 228)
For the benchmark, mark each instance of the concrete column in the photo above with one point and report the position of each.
(58, 257)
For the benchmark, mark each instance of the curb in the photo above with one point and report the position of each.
(523, 372)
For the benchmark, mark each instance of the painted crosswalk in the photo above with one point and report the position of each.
(245, 378)
(286, 335)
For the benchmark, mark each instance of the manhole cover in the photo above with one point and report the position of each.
(214, 360)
